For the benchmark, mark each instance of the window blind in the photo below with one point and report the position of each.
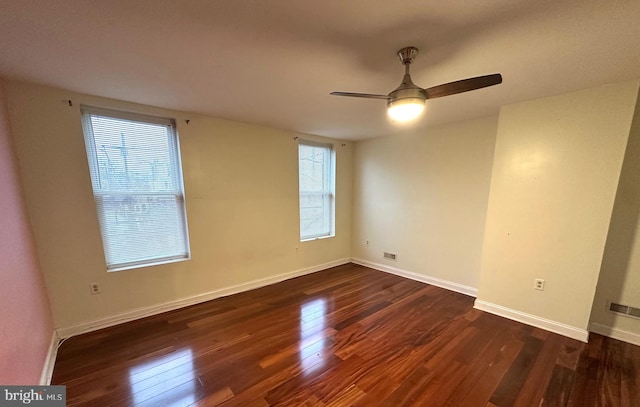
(136, 175)
(316, 183)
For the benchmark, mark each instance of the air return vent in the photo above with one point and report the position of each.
(390, 256)
(634, 312)
(624, 310)
(619, 308)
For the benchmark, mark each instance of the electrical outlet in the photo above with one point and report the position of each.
(538, 284)
(297, 250)
(95, 288)
(366, 243)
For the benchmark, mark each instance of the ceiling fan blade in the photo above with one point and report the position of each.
(464, 85)
(360, 95)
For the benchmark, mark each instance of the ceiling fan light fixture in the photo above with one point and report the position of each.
(405, 109)
(407, 101)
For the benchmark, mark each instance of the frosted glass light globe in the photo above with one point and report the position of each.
(406, 109)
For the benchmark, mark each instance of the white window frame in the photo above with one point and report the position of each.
(99, 195)
(328, 193)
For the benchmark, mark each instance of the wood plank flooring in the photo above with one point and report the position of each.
(347, 336)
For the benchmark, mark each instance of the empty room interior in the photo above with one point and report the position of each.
(295, 203)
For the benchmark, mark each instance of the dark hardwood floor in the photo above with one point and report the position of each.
(347, 336)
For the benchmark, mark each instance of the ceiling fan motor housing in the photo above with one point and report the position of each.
(407, 90)
(407, 93)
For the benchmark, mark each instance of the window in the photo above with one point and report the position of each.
(316, 171)
(137, 185)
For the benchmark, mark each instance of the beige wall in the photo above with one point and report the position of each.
(241, 187)
(556, 167)
(620, 277)
(424, 197)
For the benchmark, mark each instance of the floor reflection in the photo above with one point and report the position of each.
(313, 319)
(169, 379)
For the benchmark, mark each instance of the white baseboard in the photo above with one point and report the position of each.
(50, 360)
(138, 313)
(449, 285)
(546, 324)
(533, 320)
(615, 333)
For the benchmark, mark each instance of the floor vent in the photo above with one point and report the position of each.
(624, 310)
(390, 256)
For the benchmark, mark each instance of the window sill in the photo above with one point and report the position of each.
(317, 238)
(139, 266)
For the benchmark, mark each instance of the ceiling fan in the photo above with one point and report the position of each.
(406, 102)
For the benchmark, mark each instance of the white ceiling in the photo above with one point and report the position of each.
(274, 62)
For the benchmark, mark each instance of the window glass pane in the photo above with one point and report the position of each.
(133, 156)
(141, 227)
(312, 168)
(313, 215)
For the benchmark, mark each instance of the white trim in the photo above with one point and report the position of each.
(533, 320)
(449, 285)
(615, 333)
(50, 360)
(143, 312)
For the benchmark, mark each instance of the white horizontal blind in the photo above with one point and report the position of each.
(137, 185)
(316, 190)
